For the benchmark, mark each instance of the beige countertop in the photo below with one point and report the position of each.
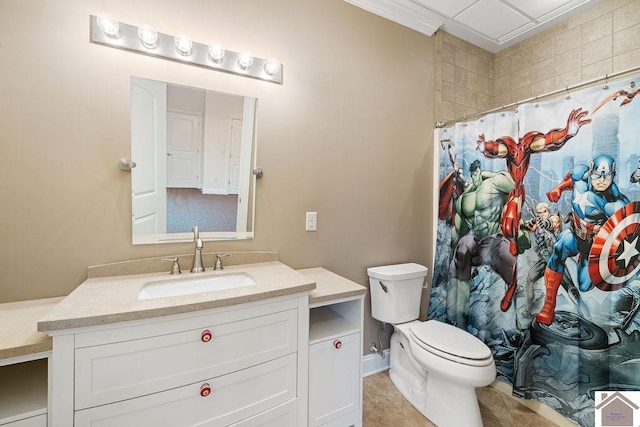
(102, 300)
(331, 287)
(105, 300)
(18, 333)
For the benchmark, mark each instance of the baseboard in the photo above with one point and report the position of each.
(537, 407)
(219, 192)
(374, 363)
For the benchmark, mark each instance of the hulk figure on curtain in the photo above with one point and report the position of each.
(559, 336)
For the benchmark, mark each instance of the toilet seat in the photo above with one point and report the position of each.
(450, 342)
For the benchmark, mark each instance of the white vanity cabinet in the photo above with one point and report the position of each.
(335, 350)
(335, 373)
(243, 365)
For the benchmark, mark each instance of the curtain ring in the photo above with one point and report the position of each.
(568, 95)
(606, 82)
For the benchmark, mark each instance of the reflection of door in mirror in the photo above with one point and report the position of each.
(183, 150)
(193, 150)
(148, 130)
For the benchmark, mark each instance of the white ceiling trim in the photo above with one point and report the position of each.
(403, 12)
(490, 24)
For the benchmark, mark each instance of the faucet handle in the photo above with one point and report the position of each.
(175, 269)
(219, 257)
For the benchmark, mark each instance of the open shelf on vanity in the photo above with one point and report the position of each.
(334, 320)
(24, 363)
(23, 393)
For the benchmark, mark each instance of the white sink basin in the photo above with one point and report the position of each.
(194, 285)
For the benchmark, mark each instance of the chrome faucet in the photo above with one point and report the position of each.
(197, 266)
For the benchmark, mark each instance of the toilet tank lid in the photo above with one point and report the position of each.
(398, 271)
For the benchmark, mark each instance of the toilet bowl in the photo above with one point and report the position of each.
(435, 366)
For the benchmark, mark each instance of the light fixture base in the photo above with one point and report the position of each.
(165, 48)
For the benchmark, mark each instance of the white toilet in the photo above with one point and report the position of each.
(436, 366)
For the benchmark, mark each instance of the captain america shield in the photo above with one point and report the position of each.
(615, 254)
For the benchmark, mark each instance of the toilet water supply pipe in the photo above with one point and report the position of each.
(378, 349)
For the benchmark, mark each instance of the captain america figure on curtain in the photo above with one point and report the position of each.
(595, 198)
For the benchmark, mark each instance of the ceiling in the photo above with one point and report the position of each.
(490, 24)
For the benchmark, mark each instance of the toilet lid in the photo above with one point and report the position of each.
(444, 338)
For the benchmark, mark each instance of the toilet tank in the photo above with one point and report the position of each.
(396, 291)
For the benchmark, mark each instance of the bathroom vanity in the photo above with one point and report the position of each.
(283, 352)
(230, 357)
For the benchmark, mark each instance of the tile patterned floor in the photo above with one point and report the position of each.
(384, 406)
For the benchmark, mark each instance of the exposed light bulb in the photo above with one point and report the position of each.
(108, 25)
(245, 60)
(271, 67)
(148, 36)
(183, 44)
(144, 39)
(216, 52)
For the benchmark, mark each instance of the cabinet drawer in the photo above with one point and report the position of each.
(334, 379)
(285, 415)
(232, 398)
(123, 370)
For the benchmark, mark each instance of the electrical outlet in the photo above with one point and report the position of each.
(312, 221)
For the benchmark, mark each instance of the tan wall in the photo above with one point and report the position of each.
(348, 135)
(602, 40)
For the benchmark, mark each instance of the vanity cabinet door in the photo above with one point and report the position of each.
(124, 370)
(218, 401)
(334, 380)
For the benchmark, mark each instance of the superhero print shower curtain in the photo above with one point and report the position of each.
(538, 243)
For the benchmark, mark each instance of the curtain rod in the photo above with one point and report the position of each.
(441, 124)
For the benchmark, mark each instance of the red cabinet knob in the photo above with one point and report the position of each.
(337, 344)
(205, 390)
(206, 336)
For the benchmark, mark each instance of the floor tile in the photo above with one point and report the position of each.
(384, 406)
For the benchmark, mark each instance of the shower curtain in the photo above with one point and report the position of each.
(538, 243)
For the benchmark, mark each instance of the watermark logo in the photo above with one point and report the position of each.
(617, 408)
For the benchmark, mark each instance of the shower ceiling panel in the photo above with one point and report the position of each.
(490, 24)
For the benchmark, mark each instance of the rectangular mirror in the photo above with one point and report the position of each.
(194, 151)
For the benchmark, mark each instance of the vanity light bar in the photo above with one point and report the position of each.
(126, 37)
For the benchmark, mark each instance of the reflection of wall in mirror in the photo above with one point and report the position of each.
(219, 111)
